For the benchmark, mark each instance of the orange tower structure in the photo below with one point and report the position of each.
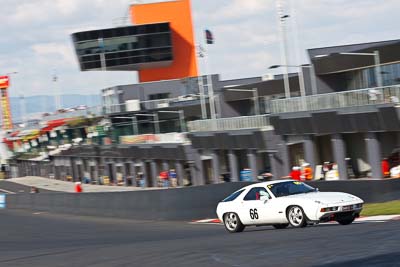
(178, 14)
(5, 103)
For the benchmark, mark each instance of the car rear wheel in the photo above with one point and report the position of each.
(280, 226)
(296, 217)
(232, 223)
(346, 221)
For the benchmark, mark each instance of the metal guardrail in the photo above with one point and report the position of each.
(354, 98)
(226, 124)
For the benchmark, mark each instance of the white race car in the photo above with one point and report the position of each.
(284, 202)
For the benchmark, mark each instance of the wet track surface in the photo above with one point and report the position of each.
(41, 239)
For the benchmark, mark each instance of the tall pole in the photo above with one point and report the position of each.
(313, 80)
(156, 123)
(182, 121)
(22, 108)
(284, 49)
(209, 84)
(56, 88)
(135, 128)
(302, 87)
(202, 98)
(378, 72)
(256, 102)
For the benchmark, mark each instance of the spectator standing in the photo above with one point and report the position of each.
(173, 178)
(385, 168)
(295, 174)
(164, 178)
(307, 172)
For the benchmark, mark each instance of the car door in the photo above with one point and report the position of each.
(254, 207)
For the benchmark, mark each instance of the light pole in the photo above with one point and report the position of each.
(135, 128)
(377, 63)
(255, 97)
(181, 117)
(284, 48)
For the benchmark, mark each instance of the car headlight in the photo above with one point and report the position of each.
(329, 209)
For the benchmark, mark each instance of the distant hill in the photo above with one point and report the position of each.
(45, 103)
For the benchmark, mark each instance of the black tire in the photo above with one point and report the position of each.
(296, 217)
(346, 221)
(232, 223)
(280, 226)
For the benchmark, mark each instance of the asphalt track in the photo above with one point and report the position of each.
(42, 239)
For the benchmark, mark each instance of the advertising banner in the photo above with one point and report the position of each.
(2, 201)
(5, 108)
(153, 138)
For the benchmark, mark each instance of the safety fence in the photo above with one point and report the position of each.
(354, 98)
(226, 124)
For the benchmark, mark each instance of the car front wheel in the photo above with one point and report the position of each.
(346, 221)
(232, 223)
(296, 217)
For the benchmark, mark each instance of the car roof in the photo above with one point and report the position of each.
(265, 184)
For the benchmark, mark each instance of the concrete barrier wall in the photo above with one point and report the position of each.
(189, 203)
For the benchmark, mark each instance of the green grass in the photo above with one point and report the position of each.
(385, 208)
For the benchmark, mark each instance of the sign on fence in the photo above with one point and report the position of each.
(2, 201)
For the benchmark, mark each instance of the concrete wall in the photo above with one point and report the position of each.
(188, 203)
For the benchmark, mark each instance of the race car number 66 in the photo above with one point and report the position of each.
(253, 214)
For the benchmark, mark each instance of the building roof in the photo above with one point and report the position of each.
(329, 60)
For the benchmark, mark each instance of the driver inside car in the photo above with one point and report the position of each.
(263, 195)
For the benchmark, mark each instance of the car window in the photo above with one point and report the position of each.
(290, 188)
(233, 196)
(255, 193)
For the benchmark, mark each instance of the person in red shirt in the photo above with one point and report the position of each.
(164, 178)
(385, 167)
(295, 174)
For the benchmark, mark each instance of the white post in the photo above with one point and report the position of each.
(210, 93)
(135, 128)
(202, 98)
(256, 102)
(313, 80)
(209, 84)
(284, 49)
(22, 108)
(302, 87)
(378, 72)
(182, 121)
(156, 125)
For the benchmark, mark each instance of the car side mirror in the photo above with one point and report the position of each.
(264, 198)
(316, 189)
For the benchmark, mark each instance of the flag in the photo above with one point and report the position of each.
(209, 37)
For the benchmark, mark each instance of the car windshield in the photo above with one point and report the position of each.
(290, 188)
(233, 196)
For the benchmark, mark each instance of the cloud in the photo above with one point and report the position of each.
(240, 8)
(246, 32)
(61, 51)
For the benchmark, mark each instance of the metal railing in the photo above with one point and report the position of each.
(94, 111)
(354, 98)
(234, 123)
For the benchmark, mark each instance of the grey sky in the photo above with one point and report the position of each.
(36, 36)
